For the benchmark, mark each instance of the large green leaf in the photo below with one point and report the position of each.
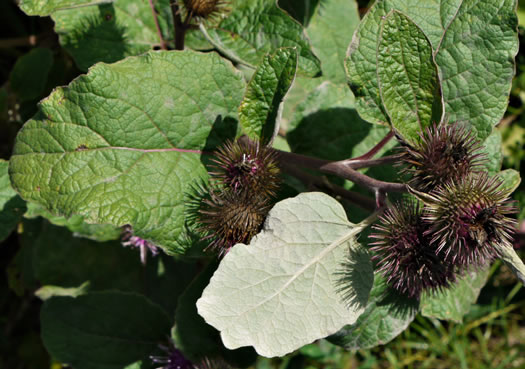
(12, 207)
(259, 113)
(108, 32)
(102, 330)
(43, 8)
(407, 76)
(330, 31)
(387, 314)
(454, 302)
(122, 144)
(257, 27)
(513, 261)
(280, 292)
(474, 44)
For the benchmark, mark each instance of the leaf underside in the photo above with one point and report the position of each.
(279, 293)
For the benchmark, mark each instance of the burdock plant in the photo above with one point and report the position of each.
(227, 217)
(246, 166)
(126, 142)
(404, 254)
(469, 219)
(445, 152)
(244, 178)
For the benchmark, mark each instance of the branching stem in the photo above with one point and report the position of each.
(346, 169)
(364, 202)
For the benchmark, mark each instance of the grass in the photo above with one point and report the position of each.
(492, 336)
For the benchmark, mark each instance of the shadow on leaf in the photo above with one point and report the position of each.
(97, 38)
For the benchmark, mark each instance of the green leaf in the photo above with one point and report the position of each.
(12, 207)
(279, 293)
(330, 31)
(511, 179)
(387, 314)
(60, 260)
(407, 76)
(513, 261)
(256, 28)
(191, 333)
(260, 110)
(108, 32)
(475, 69)
(76, 224)
(29, 75)
(102, 330)
(46, 292)
(43, 8)
(454, 302)
(326, 125)
(129, 153)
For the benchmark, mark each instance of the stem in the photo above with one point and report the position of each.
(180, 29)
(358, 164)
(363, 202)
(316, 163)
(30, 40)
(159, 33)
(374, 150)
(345, 170)
(362, 179)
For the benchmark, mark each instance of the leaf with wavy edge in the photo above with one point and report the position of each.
(122, 144)
(280, 292)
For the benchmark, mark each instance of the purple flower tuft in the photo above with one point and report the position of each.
(129, 239)
(174, 359)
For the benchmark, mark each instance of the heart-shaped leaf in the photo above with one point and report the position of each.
(280, 292)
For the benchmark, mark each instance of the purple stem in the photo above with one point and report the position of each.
(180, 28)
(347, 169)
(374, 150)
(321, 184)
